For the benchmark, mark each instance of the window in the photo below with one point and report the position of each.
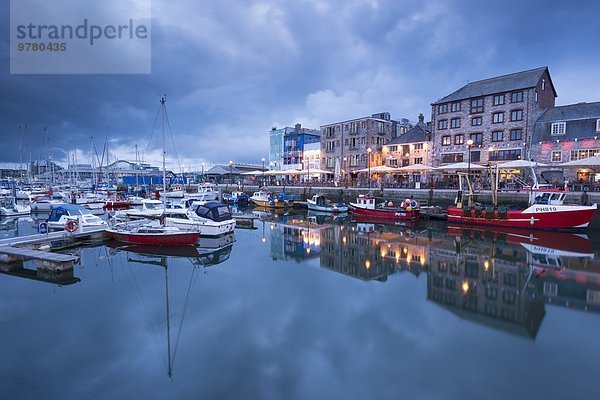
(558, 128)
(455, 123)
(354, 142)
(516, 134)
(476, 121)
(497, 136)
(516, 115)
(329, 131)
(418, 146)
(330, 146)
(443, 124)
(581, 154)
(509, 297)
(443, 108)
(459, 139)
(452, 157)
(454, 107)
(475, 156)
(418, 160)
(516, 97)
(598, 125)
(498, 100)
(536, 96)
(491, 293)
(476, 105)
(477, 138)
(393, 162)
(497, 118)
(543, 84)
(501, 155)
(380, 127)
(330, 162)
(557, 156)
(446, 141)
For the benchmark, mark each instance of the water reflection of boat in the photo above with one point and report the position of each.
(363, 219)
(322, 217)
(547, 242)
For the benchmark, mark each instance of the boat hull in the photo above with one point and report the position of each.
(395, 215)
(170, 239)
(272, 204)
(534, 217)
(333, 209)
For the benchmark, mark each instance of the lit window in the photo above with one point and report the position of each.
(558, 128)
(598, 125)
(557, 156)
(446, 141)
(543, 84)
(459, 139)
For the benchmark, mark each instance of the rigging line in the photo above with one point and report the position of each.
(173, 141)
(185, 305)
(145, 152)
(144, 307)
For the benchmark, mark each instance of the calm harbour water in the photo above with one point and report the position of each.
(304, 308)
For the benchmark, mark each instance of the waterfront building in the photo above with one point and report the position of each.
(345, 145)
(411, 148)
(312, 158)
(568, 133)
(286, 146)
(495, 116)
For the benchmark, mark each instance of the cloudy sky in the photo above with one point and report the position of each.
(232, 69)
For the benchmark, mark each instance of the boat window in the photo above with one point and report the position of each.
(202, 211)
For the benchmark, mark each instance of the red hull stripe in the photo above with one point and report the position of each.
(157, 240)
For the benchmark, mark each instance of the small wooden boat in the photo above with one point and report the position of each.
(152, 233)
(321, 203)
(268, 199)
(365, 205)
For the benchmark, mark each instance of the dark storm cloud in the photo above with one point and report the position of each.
(233, 69)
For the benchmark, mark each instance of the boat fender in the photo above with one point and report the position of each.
(409, 208)
(390, 204)
(413, 204)
(72, 225)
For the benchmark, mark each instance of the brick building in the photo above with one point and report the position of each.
(497, 114)
(346, 143)
(568, 133)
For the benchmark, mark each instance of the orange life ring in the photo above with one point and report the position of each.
(72, 225)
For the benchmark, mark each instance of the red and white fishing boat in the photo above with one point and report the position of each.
(365, 205)
(546, 210)
(152, 233)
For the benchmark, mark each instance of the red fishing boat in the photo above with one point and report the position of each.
(546, 210)
(365, 205)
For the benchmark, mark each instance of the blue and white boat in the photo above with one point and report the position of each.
(64, 214)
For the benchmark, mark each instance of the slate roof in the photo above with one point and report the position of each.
(499, 84)
(571, 112)
(416, 134)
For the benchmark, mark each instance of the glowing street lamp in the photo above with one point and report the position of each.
(469, 145)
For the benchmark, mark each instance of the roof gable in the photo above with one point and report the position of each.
(499, 84)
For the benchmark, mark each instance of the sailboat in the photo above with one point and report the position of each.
(154, 232)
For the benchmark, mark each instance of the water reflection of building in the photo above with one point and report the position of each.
(488, 283)
(368, 254)
(296, 239)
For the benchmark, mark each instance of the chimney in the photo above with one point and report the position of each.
(421, 119)
(298, 127)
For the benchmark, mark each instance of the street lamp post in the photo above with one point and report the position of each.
(263, 170)
(202, 172)
(469, 145)
(345, 169)
(308, 168)
(369, 150)
(231, 171)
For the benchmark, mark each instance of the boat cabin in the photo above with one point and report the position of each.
(365, 201)
(213, 210)
(550, 198)
(68, 210)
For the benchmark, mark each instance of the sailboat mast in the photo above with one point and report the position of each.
(170, 371)
(163, 111)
